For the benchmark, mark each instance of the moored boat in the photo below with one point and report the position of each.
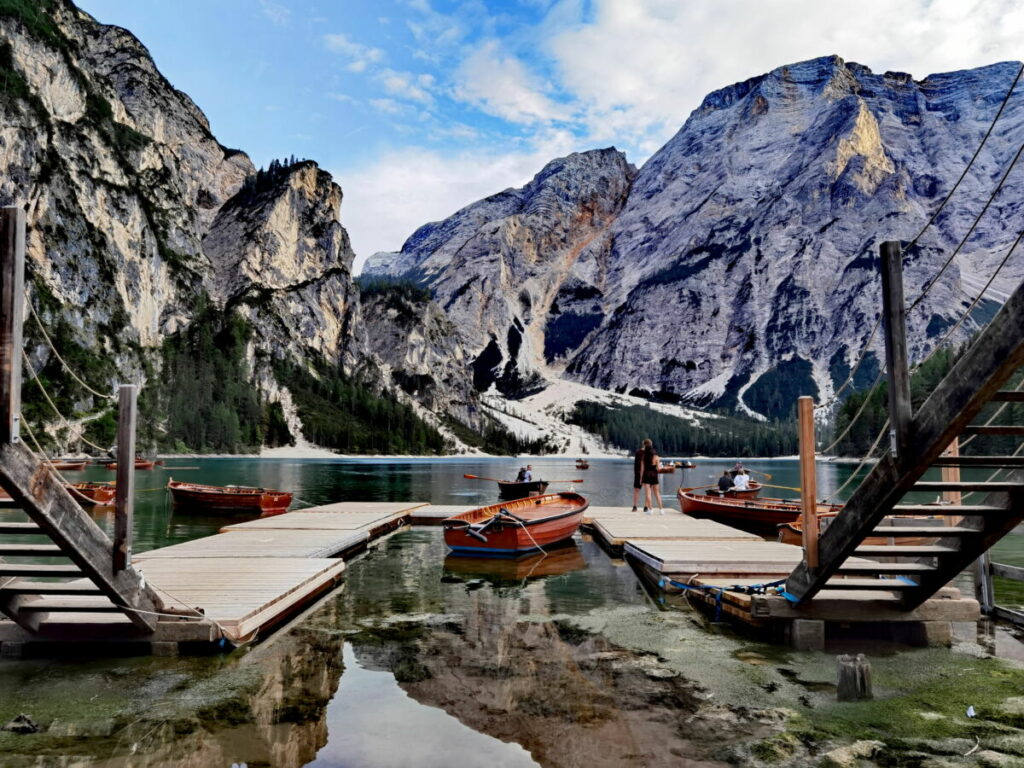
(760, 515)
(516, 526)
(92, 494)
(235, 499)
(509, 489)
(67, 466)
(793, 532)
(750, 492)
(666, 469)
(139, 464)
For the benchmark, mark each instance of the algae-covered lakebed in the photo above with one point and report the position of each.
(424, 660)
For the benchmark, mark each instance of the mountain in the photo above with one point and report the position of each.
(738, 267)
(153, 248)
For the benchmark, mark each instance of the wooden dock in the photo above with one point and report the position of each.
(738, 575)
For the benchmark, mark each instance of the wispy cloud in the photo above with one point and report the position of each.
(359, 55)
(407, 85)
(276, 12)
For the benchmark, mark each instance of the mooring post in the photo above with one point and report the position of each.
(984, 591)
(951, 474)
(854, 678)
(124, 498)
(894, 314)
(12, 307)
(808, 481)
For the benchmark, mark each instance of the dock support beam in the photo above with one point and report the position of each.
(894, 315)
(12, 308)
(124, 498)
(808, 481)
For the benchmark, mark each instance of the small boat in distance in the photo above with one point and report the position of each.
(582, 464)
(66, 466)
(517, 526)
(92, 494)
(139, 464)
(234, 499)
(762, 516)
(666, 469)
(685, 465)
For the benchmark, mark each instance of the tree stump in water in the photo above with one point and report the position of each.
(854, 678)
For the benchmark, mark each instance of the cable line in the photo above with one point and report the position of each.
(63, 362)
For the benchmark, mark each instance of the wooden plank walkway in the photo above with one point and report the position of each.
(617, 525)
(259, 544)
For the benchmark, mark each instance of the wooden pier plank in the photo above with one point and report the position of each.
(617, 525)
(263, 545)
(434, 514)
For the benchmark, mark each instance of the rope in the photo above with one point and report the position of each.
(863, 461)
(63, 362)
(864, 351)
(856, 416)
(61, 416)
(68, 485)
(974, 225)
(718, 592)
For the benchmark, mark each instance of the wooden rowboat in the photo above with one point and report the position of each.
(793, 532)
(234, 499)
(67, 466)
(508, 489)
(139, 464)
(517, 526)
(92, 494)
(582, 464)
(666, 469)
(758, 515)
(751, 492)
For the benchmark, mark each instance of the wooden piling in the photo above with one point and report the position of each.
(124, 499)
(854, 678)
(808, 481)
(894, 314)
(12, 307)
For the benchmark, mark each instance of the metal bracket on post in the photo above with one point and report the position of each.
(124, 498)
(894, 315)
(12, 308)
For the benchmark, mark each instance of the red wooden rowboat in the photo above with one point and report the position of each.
(91, 494)
(712, 490)
(229, 498)
(139, 464)
(516, 526)
(793, 532)
(67, 466)
(666, 469)
(759, 514)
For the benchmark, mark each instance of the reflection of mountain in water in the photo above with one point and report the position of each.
(502, 658)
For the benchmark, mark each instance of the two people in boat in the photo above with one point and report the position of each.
(525, 474)
(645, 477)
(736, 479)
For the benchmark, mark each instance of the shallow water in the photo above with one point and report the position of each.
(425, 659)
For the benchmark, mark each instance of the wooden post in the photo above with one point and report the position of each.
(951, 474)
(894, 314)
(854, 682)
(12, 308)
(808, 481)
(124, 499)
(984, 591)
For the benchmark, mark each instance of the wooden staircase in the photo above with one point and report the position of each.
(913, 573)
(80, 572)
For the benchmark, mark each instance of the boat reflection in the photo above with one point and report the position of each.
(498, 569)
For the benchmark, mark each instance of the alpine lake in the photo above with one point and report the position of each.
(419, 659)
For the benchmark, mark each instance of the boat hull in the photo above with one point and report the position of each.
(67, 466)
(139, 465)
(509, 490)
(793, 532)
(229, 501)
(539, 522)
(92, 494)
(761, 516)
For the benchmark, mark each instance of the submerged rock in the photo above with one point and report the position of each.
(21, 724)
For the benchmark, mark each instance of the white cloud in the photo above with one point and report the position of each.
(387, 106)
(500, 85)
(407, 85)
(276, 12)
(636, 68)
(388, 200)
(361, 55)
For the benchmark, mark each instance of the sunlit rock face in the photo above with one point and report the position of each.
(739, 266)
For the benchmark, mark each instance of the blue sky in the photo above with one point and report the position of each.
(419, 107)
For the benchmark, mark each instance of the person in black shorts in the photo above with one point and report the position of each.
(649, 478)
(638, 464)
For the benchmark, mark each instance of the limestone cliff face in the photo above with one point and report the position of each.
(739, 265)
(514, 272)
(138, 216)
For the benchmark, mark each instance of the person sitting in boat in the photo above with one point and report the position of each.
(725, 482)
(741, 482)
(527, 474)
(521, 474)
(737, 468)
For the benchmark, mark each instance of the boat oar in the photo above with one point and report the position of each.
(559, 481)
(477, 477)
(784, 487)
(765, 475)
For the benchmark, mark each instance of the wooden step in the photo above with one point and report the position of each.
(961, 510)
(966, 487)
(8, 569)
(19, 528)
(863, 569)
(30, 550)
(21, 587)
(56, 605)
(1009, 396)
(979, 461)
(924, 531)
(889, 585)
(896, 550)
(993, 429)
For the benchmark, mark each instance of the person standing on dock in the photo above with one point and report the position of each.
(638, 471)
(651, 461)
